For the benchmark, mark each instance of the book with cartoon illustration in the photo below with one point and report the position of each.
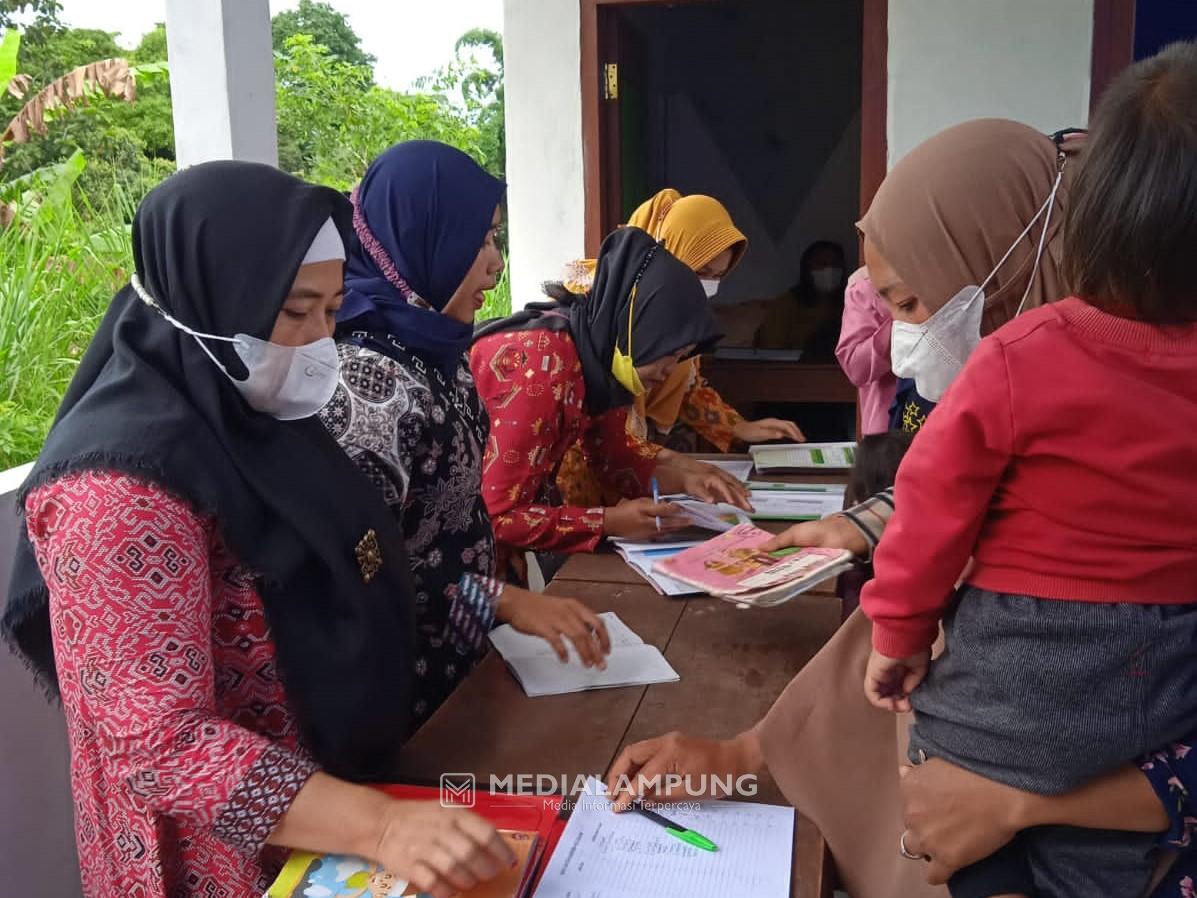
(732, 566)
(307, 875)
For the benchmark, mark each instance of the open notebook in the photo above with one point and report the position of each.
(632, 662)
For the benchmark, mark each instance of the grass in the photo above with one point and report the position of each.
(59, 267)
(498, 300)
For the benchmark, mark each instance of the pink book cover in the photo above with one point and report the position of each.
(732, 563)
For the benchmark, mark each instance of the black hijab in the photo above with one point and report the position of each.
(670, 311)
(218, 246)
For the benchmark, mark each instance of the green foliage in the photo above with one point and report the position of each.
(45, 12)
(48, 54)
(498, 300)
(473, 82)
(10, 47)
(72, 192)
(59, 268)
(328, 27)
(152, 47)
(333, 121)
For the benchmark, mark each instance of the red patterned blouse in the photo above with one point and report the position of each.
(184, 755)
(531, 382)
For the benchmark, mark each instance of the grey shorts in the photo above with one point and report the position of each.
(1044, 695)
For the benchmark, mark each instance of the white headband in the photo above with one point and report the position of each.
(326, 246)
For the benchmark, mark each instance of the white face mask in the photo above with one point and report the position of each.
(934, 352)
(710, 286)
(826, 280)
(285, 382)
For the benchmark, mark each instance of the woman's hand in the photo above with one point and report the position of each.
(641, 769)
(684, 464)
(641, 519)
(439, 850)
(834, 532)
(556, 619)
(889, 681)
(955, 817)
(708, 483)
(767, 429)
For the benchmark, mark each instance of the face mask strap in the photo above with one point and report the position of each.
(1046, 207)
(1051, 201)
(144, 296)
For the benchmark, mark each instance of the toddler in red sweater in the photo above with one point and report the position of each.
(1063, 461)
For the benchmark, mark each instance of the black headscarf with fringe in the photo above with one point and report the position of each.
(218, 246)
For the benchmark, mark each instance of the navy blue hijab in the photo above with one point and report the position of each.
(420, 216)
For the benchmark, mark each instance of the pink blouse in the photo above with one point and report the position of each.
(863, 351)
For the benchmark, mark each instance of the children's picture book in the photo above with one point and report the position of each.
(732, 566)
(307, 875)
(803, 456)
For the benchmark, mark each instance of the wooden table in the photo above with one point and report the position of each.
(732, 662)
(743, 382)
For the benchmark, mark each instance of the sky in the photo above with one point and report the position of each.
(410, 38)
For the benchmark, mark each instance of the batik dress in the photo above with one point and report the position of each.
(419, 435)
(531, 382)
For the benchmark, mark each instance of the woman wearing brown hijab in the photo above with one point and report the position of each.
(943, 220)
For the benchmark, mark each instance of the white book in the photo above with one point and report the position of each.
(531, 659)
(803, 456)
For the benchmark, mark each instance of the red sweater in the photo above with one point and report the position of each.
(1063, 459)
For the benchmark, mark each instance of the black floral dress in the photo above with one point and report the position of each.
(420, 436)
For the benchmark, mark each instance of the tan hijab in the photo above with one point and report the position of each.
(950, 209)
(943, 218)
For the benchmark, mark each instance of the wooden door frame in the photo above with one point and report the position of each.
(873, 90)
(1113, 44)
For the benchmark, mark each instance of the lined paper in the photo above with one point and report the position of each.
(606, 855)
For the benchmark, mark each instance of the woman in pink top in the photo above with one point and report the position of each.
(863, 351)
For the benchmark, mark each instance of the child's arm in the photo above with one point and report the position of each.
(944, 488)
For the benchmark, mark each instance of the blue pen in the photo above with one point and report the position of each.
(656, 499)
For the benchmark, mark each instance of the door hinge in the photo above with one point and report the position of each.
(611, 81)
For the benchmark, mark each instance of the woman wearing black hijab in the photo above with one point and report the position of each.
(217, 596)
(556, 373)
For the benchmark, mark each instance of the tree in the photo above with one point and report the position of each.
(476, 85)
(332, 121)
(329, 28)
(45, 12)
(153, 45)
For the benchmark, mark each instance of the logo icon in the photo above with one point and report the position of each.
(457, 790)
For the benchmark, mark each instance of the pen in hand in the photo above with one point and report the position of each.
(656, 500)
(689, 836)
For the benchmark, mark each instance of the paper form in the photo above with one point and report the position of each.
(538, 669)
(738, 468)
(792, 505)
(606, 855)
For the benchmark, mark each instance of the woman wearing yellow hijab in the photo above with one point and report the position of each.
(699, 231)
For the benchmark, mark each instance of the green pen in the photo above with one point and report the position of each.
(689, 836)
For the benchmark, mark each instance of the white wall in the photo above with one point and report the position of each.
(949, 60)
(953, 60)
(546, 197)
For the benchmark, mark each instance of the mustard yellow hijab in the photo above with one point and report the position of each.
(695, 229)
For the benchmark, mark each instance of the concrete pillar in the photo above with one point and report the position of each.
(222, 80)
